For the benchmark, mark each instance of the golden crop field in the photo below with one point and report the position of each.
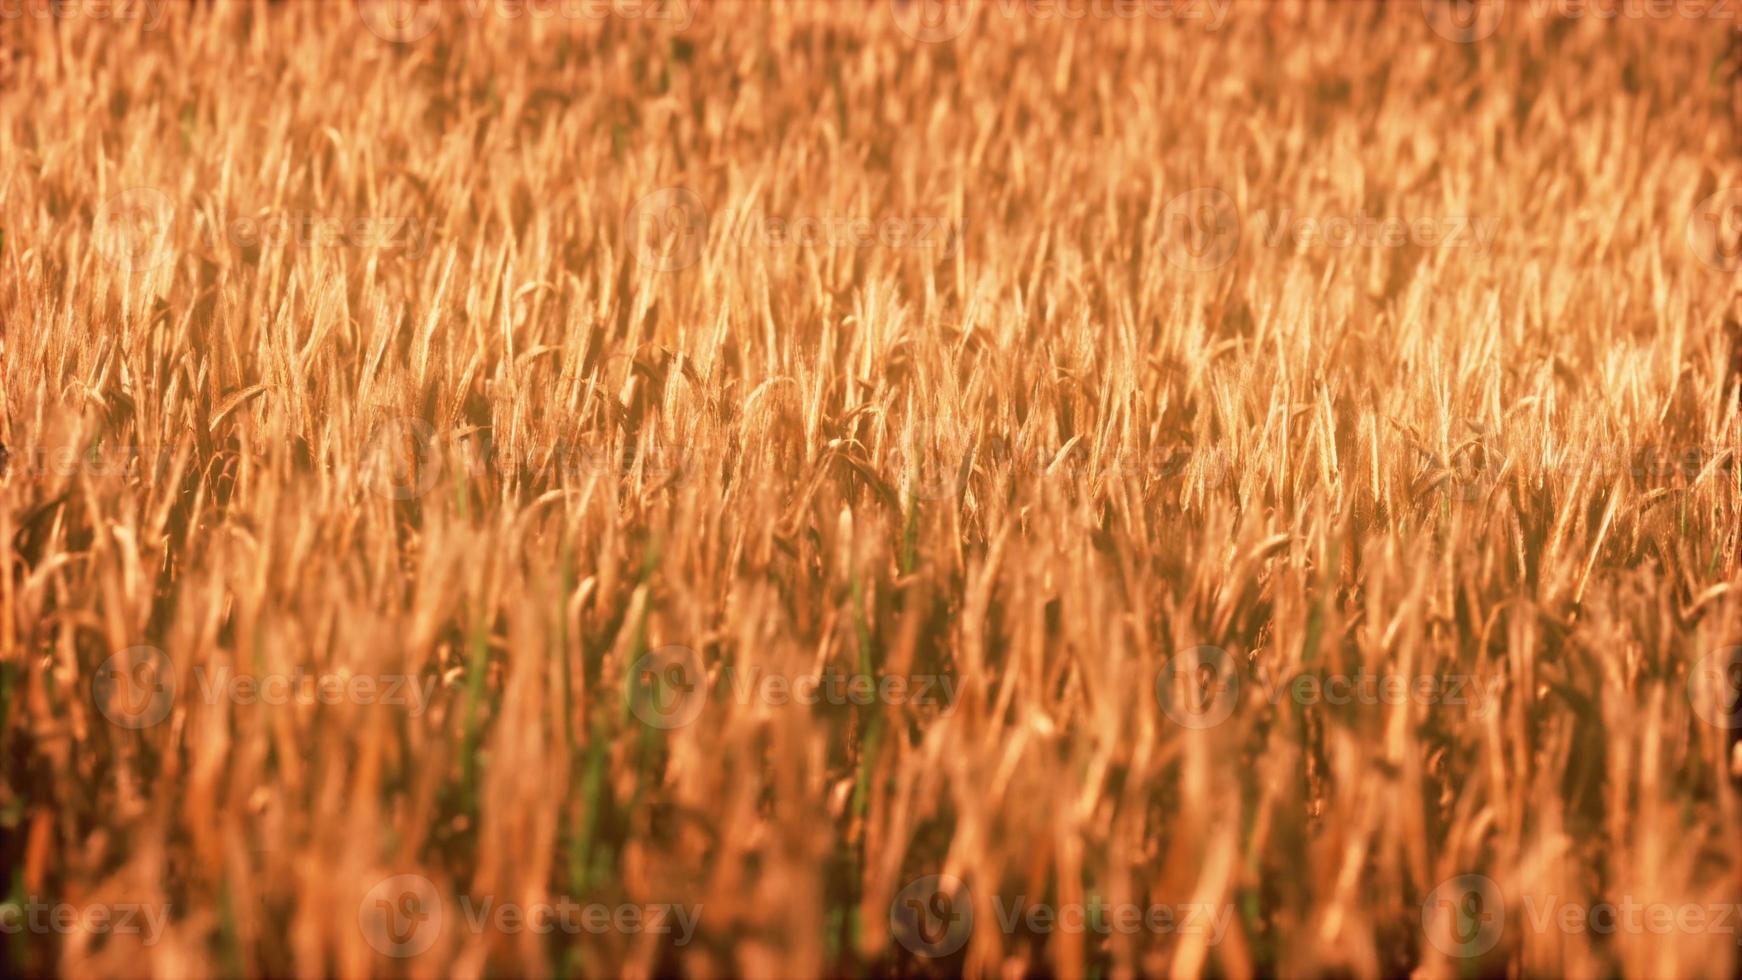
(780, 488)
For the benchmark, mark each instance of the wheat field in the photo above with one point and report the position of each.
(1093, 488)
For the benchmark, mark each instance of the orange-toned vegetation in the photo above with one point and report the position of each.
(578, 374)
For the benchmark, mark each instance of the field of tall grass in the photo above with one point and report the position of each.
(1092, 488)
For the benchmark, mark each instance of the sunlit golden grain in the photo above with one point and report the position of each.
(1133, 383)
